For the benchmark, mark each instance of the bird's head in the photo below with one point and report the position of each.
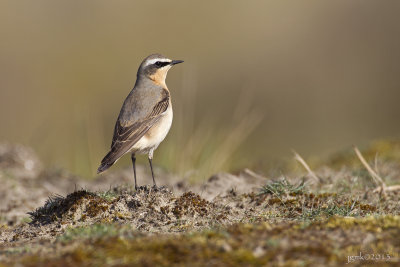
(155, 67)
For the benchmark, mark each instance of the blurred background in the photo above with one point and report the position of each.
(259, 78)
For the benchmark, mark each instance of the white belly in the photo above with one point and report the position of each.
(156, 134)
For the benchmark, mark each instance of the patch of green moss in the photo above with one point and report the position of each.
(90, 232)
(108, 195)
(283, 187)
(26, 220)
(16, 250)
(370, 223)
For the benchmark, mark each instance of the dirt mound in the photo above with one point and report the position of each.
(56, 208)
(148, 209)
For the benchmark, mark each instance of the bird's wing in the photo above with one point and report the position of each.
(131, 126)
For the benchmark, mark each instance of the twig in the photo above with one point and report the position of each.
(305, 165)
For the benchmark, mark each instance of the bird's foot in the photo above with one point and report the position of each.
(156, 188)
(148, 188)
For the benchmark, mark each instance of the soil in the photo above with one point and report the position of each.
(53, 218)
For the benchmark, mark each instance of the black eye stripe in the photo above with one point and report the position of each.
(160, 64)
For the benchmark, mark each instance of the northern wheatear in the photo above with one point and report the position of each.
(146, 115)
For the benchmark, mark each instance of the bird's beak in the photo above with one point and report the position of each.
(174, 62)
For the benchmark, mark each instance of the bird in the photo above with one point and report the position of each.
(145, 117)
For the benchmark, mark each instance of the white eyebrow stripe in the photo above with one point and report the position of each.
(154, 60)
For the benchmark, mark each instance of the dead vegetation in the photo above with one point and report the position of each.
(232, 220)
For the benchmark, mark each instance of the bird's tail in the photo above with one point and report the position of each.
(106, 163)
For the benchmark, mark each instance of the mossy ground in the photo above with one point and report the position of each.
(289, 221)
(330, 242)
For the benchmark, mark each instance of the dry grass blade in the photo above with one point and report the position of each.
(253, 174)
(378, 180)
(388, 188)
(373, 174)
(305, 165)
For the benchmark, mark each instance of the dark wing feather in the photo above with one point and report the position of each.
(126, 136)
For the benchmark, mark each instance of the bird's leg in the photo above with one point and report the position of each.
(151, 167)
(134, 168)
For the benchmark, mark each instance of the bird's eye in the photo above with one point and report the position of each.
(158, 63)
